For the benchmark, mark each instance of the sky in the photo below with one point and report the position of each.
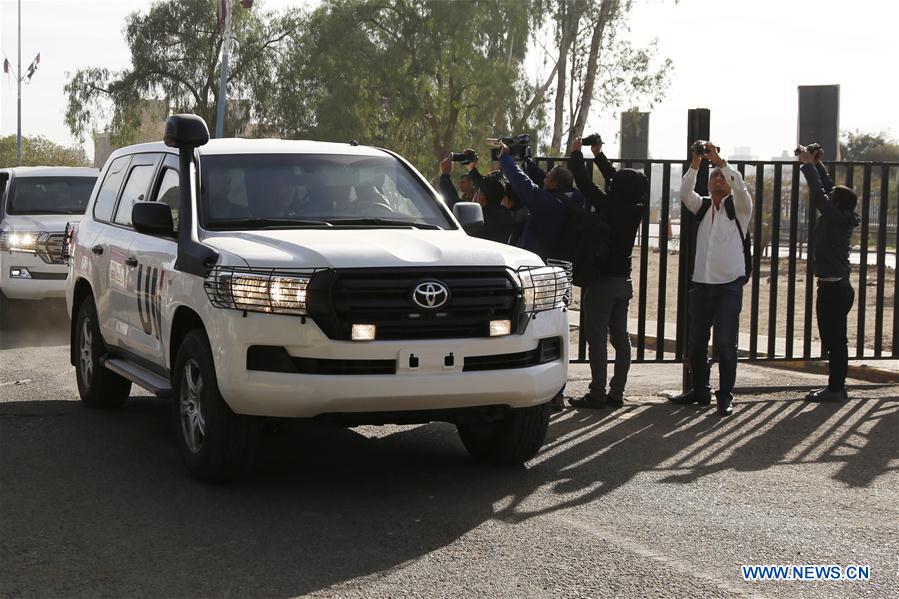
(743, 60)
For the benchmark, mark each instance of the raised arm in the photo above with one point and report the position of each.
(692, 200)
(527, 191)
(816, 193)
(533, 171)
(605, 166)
(742, 199)
(826, 179)
(447, 189)
(583, 180)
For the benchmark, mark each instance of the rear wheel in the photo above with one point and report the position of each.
(511, 441)
(97, 386)
(216, 444)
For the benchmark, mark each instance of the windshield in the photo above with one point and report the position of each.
(254, 191)
(49, 195)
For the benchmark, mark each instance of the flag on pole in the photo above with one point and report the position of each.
(33, 67)
(6, 65)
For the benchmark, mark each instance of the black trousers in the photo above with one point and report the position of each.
(719, 306)
(834, 301)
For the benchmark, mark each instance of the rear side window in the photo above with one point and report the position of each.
(169, 191)
(135, 191)
(110, 189)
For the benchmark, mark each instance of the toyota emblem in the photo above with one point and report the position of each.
(430, 295)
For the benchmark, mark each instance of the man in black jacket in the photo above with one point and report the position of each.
(605, 303)
(836, 206)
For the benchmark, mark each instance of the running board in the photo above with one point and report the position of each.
(139, 375)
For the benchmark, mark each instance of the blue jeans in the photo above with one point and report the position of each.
(718, 306)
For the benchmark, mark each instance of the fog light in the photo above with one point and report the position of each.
(19, 273)
(500, 327)
(363, 332)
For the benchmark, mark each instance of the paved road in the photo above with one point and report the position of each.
(652, 500)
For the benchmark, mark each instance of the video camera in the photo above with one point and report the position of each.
(466, 157)
(592, 140)
(519, 145)
(813, 149)
(698, 147)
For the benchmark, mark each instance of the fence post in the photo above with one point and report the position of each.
(698, 127)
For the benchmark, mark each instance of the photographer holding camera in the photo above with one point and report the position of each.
(720, 271)
(468, 183)
(605, 301)
(831, 238)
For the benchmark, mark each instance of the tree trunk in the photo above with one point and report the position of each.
(609, 7)
(568, 23)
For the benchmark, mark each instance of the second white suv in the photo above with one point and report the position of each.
(268, 278)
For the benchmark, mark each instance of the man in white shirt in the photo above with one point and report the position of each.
(716, 294)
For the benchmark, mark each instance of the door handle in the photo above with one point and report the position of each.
(97, 249)
(131, 261)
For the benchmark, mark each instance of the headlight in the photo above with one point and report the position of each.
(22, 241)
(259, 290)
(544, 288)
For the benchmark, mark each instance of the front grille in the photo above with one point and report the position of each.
(383, 297)
(547, 350)
(49, 248)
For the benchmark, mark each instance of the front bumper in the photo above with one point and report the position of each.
(432, 385)
(47, 280)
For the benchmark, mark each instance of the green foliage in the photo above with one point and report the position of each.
(40, 151)
(420, 77)
(175, 49)
(876, 147)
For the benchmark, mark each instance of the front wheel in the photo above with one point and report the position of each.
(97, 386)
(511, 441)
(216, 444)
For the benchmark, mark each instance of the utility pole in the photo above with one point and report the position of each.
(19, 82)
(226, 51)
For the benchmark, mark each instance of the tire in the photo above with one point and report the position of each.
(98, 387)
(511, 441)
(216, 444)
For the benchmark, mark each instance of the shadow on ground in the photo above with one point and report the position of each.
(97, 503)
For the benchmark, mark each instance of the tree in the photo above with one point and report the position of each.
(40, 151)
(595, 64)
(422, 77)
(876, 147)
(175, 58)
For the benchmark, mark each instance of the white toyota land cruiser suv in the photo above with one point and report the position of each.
(35, 205)
(269, 278)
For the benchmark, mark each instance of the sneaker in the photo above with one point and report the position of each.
(615, 399)
(725, 404)
(587, 401)
(702, 397)
(826, 394)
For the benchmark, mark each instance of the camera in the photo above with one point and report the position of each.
(466, 157)
(592, 140)
(813, 149)
(518, 144)
(698, 147)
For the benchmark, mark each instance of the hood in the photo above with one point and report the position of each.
(367, 248)
(50, 223)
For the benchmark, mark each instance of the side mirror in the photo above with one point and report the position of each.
(469, 215)
(152, 218)
(185, 131)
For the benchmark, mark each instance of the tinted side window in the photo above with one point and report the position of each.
(135, 191)
(169, 191)
(110, 188)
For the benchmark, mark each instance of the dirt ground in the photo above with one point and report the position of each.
(765, 291)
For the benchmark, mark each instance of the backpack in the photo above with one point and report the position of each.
(583, 241)
(731, 212)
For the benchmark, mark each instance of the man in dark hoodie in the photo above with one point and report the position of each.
(605, 303)
(497, 218)
(836, 205)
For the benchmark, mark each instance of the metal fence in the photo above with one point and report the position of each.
(777, 321)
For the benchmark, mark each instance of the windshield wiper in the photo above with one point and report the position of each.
(382, 221)
(265, 223)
